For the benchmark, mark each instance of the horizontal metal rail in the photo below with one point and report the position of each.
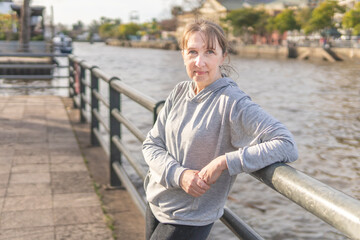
(28, 66)
(102, 75)
(139, 201)
(238, 226)
(137, 96)
(86, 84)
(102, 142)
(101, 98)
(101, 120)
(139, 170)
(32, 55)
(83, 96)
(32, 77)
(129, 125)
(334, 207)
(33, 87)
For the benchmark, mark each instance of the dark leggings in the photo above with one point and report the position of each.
(156, 230)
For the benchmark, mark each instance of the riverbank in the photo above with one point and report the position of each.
(167, 45)
(260, 51)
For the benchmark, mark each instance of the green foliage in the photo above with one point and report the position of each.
(125, 30)
(285, 21)
(79, 26)
(323, 16)
(351, 19)
(7, 22)
(248, 20)
(37, 38)
(107, 30)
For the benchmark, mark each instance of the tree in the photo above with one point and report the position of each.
(323, 16)
(79, 26)
(351, 19)
(176, 10)
(303, 17)
(7, 24)
(125, 30)
(247, 21)
(107, 30)
(285, 21)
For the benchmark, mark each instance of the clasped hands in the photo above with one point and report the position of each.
(196, 183)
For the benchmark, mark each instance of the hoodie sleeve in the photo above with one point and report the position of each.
(260, 139)
(164, 168)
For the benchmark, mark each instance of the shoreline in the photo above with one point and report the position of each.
(260, 51)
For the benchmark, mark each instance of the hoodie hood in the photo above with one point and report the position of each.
(216, 86)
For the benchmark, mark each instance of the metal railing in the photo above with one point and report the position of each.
(334, 207)
(32, 66)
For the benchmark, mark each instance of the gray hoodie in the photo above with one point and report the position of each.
(192, 130)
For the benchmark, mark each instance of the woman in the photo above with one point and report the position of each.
(208, 132)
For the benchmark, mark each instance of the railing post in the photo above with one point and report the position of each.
(71, 75)
(94, 106)
(75, 77)
(115, 130)
(82, 93)
(157, 109)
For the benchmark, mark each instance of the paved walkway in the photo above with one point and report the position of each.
(45, 188)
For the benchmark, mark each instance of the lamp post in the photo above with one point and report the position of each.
(25, 27)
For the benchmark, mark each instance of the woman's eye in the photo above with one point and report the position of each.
(210, 51)
(192, 52)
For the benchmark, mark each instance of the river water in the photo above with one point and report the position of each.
(318, 101)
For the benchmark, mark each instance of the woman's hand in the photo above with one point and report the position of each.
(192, 184)
(211, 172)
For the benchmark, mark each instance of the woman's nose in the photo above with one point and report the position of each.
(199, 61)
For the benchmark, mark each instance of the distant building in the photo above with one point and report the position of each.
(214, 10)
(36, 19)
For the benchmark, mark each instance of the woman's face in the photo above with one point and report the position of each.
(202, 64)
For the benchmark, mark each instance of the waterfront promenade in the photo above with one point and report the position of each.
(46, 187)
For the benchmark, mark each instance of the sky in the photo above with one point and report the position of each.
(69, 12)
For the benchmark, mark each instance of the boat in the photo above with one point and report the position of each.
(63, 43)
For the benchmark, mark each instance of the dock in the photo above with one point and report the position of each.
(52, 181)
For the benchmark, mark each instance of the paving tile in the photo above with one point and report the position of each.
(32, 138)
(23, 189)
(1, 204)
(7, 149)
(73, 200)
(2, 192)
(83, 231)
(68, 167)
(8, 137)
(25, 147)
(30, 178)
(55, 159)
(30, 168)
(65, 152)
(67, 216)
(31, 159)
(23, 219)
(6, 159)
(4, 180)
(5, 168)
(38, 233)
(71, 145)
(71, 182)
(27, 203)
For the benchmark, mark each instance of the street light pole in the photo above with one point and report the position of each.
(25, 27)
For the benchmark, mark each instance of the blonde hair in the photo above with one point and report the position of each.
(212, 31)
